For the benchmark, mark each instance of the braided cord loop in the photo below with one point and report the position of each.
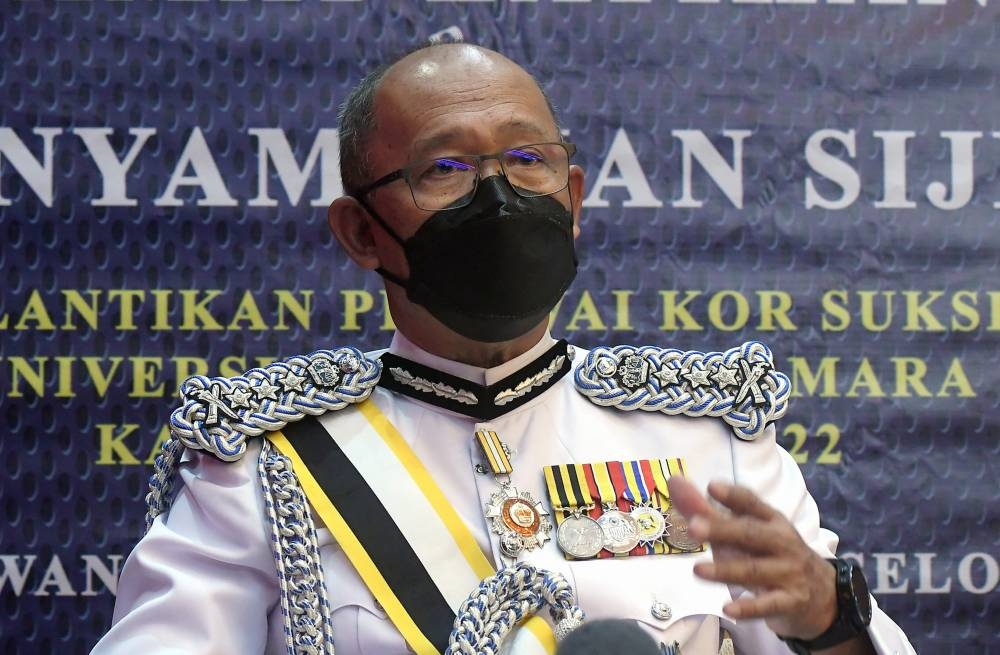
(305, 607)
(219, 413)
(689, 383)
(161, 482)
(503, 600)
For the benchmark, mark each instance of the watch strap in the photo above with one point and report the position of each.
(848, 622)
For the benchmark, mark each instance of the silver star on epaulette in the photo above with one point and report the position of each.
(725, 376)
(698, 377)
(238, 397)
(667, 375)
(293, 382)
(266, 390)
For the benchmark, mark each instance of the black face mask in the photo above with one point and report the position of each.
(493, 269)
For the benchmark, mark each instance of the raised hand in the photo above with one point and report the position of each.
(755, 546)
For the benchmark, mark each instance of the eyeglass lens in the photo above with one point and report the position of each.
(533, 170)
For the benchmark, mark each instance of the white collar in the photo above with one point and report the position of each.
(403, 347)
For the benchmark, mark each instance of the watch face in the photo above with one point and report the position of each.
(860, 587)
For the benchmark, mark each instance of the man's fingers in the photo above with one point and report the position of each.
(686, 498)
(741, 500)
(750, 572)
(766, 605)
(741, 534)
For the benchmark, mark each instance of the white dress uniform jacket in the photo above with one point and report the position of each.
(203, 579)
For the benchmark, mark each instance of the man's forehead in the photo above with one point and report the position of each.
(451, 62)
(429, 97)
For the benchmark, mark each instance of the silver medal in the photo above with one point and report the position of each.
(511, 544)
(621, 531)
(580, 536)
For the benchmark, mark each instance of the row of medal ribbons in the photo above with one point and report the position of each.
(617, 509)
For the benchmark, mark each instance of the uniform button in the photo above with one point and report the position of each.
(660, 610)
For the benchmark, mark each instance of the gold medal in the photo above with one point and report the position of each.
(652, 524)
(640, 491)
(677, 532)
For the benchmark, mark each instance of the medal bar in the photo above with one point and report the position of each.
(617, 509)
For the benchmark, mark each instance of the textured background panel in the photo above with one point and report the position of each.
(917, 475)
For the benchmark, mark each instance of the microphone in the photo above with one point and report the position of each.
(608, 637)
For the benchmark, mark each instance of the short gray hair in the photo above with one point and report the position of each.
(357, 123)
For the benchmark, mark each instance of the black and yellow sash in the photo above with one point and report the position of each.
(407, 542)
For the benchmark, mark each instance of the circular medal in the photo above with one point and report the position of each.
(621, 531)
(511, 544)
(580, 536)
(520, 517)
(651, 523)
(677, 532)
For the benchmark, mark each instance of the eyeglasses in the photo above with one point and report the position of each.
(536, 169)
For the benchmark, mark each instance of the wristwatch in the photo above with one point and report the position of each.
(854, 611)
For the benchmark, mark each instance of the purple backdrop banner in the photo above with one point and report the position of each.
(821, 176)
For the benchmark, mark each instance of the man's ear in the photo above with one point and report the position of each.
(576, 180)
(349, 222)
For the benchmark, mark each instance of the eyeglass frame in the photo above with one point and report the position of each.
(403, 173)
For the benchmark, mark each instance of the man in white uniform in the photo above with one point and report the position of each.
(461, 195)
